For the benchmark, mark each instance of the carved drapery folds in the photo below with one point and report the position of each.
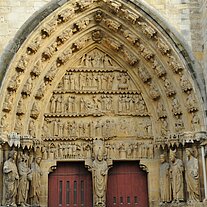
(99, 70)
(175, 174)
(22, 174)
(99, 170)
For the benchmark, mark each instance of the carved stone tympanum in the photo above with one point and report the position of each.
(100, 81)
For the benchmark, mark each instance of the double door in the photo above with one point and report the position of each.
(70, 185)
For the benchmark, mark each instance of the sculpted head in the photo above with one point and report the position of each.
(172, 155)
(13, 155)
(162, 158)
(188, 152)
(38, 159)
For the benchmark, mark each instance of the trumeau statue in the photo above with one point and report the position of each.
(11, 178)
(176, 177)
(165, 187)
(192, 176)
(99, 174)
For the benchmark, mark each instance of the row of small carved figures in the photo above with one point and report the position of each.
(50, 26)
(97, 103)
(67, 150)
(95, 81)
(110, 23)
(98, 128)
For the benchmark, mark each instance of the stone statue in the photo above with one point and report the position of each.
(36, 174)
(23, 188)
(11, 178)
(176, 177)
(99, 174)
(192, 176)
(165, 187)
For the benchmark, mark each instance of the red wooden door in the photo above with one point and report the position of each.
(70, 185)
(127, 186)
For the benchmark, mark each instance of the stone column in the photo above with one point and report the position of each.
(1, 174)
(153, 180)
(204, 172)
(46, 167)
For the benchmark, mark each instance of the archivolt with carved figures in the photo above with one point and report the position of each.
(100, 74)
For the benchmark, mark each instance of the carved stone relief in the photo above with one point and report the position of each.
(173, 178)
(115, 85)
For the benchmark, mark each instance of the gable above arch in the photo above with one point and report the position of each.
(115, 42)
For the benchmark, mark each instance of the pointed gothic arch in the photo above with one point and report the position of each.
(127, 60)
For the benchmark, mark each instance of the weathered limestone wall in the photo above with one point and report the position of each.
(13, 14)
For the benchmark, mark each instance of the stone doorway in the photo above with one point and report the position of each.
(127, 185)
(70, 185)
